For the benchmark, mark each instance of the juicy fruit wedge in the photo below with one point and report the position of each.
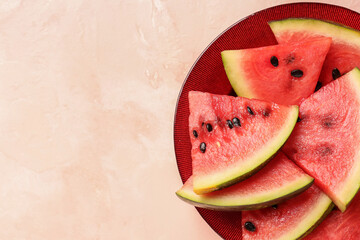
(291, 219)
(278, 180)
(284, 74)
(326, 142)
(344, 53)
(233, 137)
(338, 225)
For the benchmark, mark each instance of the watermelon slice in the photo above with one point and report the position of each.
(291, 219)
(338, 225)
(233, 137)
(344, 53)
(278, 180)
(326, 142)
(284, 74)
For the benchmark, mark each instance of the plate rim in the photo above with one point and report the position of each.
(297, 5)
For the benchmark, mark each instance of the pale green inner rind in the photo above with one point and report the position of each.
(338, 33)
(327, 212)
(243, 200)
(351, 185)
(312, 218)
(231, 60)
(221, 178)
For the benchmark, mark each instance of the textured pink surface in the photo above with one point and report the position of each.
(88, 92)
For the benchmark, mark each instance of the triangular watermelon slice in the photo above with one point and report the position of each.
(326, 142)
(292, 219)
(283, 74)
(233, 137)
(344, 53)
(280, 179)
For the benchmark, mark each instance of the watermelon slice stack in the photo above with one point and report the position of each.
(287, 149)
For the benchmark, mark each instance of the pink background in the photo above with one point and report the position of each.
(88, 92)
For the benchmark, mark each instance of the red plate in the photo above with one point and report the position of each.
(208, 75)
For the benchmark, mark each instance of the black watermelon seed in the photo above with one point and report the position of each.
(328, 124)
(318, 86)
(266, 113)
(236, 122)
(298, 120)
(335, 73)
(250, 111)
(327, 151)
(274, 61)
(209, 127)
(328, 121)
(274, 206)
(250, 226)
(202, 124)
(195, 133)
(324, 150)
(230, 124)
(297, 73)
(289, 59)
(202, 147)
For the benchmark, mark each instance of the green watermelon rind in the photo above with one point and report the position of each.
(261, 200)
(350, 190)
(235, 74)
(317, 223)
(338, 32)
(323, 207)
(298, 225)
(260, 158)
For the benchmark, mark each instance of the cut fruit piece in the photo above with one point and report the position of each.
(292, 219)
(344, 53)
(284, 74)
(280, 179)
(338, 225)
(326, 142)
(233, 137)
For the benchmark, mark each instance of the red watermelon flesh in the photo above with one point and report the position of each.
(344, 53)
(280, 179)
(233, 137)
(291, 219)
(284, 74)
(326, 142)
(340, 225)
